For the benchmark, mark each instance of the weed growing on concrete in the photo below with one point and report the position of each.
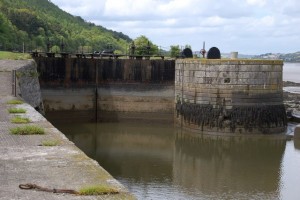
(15, 101)
(20, 120)
(27, 130)
(98, 190)
(50, 143)
(16, 110)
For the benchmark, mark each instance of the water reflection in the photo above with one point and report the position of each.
(229, 167)
(158, 161)
(139, 153)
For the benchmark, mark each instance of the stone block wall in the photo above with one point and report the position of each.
(28, 85)
(230, 96)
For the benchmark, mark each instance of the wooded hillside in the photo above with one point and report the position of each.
(38, 23)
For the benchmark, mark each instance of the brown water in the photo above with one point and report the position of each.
(291, 72)
(154, 160)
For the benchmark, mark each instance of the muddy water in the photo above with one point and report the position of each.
(291, 72)
(154, 160)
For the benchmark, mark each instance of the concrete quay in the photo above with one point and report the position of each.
(23, 159)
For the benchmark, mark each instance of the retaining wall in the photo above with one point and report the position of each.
(28, 86)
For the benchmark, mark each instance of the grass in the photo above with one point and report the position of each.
(16, 110)
(27, 130)
(20, 120)
(98, 190)
(50, 143)
(14, 56)
(15, 101)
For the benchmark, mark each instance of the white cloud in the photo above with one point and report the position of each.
(249, 26)
(257, 2)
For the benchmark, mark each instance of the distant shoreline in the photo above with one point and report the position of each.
(290, 84)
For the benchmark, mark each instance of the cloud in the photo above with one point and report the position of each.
(87, 9)
(238, 24)
(257, 2)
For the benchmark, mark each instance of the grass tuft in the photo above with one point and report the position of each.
(15, 101)
(98, 190)
(50, 143)
(20, 120)
(16, 110)
(27, 130)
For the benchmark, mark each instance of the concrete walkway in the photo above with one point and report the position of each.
(24, 160)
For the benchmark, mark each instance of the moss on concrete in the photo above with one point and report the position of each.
(98, 190)
(20, 120)
(50, 143)
(27, 130)
(15, 102)
(16, 110)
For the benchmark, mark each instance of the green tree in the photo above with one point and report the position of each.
(143, 46)
(175, 51)
(55, 49)
(85, 49)
(34, 22)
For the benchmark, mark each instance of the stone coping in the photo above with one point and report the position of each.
(231, 61)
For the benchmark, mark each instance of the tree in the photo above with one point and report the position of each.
(42, 20)
(143, 46)
(175, 51)
(55, 49)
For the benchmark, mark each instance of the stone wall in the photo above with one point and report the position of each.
(230, 96)
(28, 86)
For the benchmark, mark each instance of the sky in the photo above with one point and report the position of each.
(247, 26)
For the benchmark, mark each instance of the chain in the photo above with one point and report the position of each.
(30, 186)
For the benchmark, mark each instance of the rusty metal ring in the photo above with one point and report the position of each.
(27, 186)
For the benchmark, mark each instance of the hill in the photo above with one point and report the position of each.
(289, 57)
(34, 24)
